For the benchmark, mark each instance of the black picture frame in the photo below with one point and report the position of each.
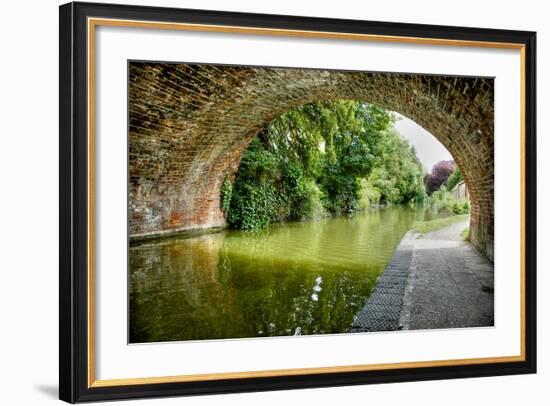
(74, 385)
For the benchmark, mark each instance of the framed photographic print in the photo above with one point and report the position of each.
(255, 202)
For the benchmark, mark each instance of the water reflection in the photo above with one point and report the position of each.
(297, 278)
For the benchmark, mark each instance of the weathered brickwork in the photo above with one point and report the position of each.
(189, 125)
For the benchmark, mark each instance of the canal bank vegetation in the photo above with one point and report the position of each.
(323, 158)
(443, 202)
(439, 184)
(428, 226)
(439, 200)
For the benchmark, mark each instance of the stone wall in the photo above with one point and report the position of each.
(189, 125)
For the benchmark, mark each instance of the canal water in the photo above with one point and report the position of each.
(296, 278)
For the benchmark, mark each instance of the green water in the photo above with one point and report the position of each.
(305, 277)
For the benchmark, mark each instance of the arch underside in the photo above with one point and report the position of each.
(190, 124)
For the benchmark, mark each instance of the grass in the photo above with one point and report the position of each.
(436, 224)
(465, 234)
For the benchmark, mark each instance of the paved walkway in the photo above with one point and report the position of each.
(434, 280)
(450, 284)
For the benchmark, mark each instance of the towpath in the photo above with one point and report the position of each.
(435, 280)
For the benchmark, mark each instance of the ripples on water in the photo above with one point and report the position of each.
(296, 278)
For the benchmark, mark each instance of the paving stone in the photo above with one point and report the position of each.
(438, 281)
(450, 285)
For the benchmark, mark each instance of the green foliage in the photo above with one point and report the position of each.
(369, 195)
(325, 157)
(306, 200)
(454, 179)
(225, 195)
(253, 206)
(398, 174)
(255, 199)
(443, 201)
(465, 234)
(461, 207)
(436, 224)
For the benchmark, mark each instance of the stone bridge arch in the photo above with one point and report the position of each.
(190, 124)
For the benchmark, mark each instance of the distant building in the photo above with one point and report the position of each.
(460, 191)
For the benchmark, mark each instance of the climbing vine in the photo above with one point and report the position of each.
(331, 157)
(225, 195)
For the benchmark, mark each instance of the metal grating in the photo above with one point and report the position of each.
(383, 308)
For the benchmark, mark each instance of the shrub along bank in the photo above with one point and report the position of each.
(331, 157)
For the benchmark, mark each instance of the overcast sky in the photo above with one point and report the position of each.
(428, 149)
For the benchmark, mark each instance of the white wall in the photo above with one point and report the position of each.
(29, 188)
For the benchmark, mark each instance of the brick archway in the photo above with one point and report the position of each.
(190, 124)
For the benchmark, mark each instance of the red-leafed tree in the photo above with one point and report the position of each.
(439, 175)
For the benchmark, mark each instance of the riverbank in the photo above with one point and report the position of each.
(449, 284)
(424, 227)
